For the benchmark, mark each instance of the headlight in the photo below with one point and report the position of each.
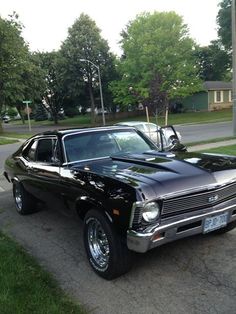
(151, 211)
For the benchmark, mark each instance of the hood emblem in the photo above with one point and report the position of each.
(213, 198)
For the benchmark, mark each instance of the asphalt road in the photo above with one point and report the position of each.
(5, 151)
(195, 275)
(189, 132)
(207, 131)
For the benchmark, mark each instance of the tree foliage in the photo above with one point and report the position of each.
(84, 42)
(12, 57)
(19, 77)
(53, 94)
(214, 62)
(40, 113)
(224, 19)
(157, 49)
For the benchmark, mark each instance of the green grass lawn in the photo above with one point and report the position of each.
(4, 141)
(228, 150)
(25, 288)
(191, 117)
(17, 135)
(180, 118)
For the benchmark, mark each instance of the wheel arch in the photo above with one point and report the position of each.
(84, 204)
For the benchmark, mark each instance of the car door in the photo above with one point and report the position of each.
(44, 171)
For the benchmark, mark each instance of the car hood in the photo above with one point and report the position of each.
(155, 174)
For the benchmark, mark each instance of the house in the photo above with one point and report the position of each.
(215, 95)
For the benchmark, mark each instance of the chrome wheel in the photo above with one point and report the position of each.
(18, 197)
(98, 243)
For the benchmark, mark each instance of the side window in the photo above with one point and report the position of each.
(45, 150)
(30, 151)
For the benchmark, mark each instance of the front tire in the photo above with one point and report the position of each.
(107, 254)
(25, 203)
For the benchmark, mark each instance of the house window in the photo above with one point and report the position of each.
(218, 96)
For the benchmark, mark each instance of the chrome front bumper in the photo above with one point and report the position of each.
(177, 227)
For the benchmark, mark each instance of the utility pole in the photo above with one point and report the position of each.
(234, 64)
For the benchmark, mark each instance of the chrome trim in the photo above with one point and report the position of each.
(98, 243)
(141, 205)
(143, 241)
(16, 179)
(197, 189)
(83, 160)
(202, 199)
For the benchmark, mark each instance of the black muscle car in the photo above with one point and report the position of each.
(131, 195)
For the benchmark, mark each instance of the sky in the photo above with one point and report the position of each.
(47, 21)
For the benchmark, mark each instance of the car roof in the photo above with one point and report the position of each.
(133, 123)
(77, 130)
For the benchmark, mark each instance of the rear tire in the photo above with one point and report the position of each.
(25, 203)
(108, 255)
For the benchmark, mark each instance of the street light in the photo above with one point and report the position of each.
(100, 87)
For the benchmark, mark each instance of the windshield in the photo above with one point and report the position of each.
(90, 145)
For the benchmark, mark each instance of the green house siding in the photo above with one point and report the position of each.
(198, 101)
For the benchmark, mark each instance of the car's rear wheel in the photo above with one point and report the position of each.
(107, 253)
(25, 203)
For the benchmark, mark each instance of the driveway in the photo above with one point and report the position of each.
(195, 275)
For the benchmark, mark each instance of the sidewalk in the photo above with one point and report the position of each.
(199, 147)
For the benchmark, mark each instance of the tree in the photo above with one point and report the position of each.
(224, 24)
(157, 51)
(213, 61)
(53, 95)
(12, 56)
(20, 79)
(40, 113)
(81, 78)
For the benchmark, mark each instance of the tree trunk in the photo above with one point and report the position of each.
(92, 102)
(1, 128)
(55, 118)
(166, 111)
(20, 113)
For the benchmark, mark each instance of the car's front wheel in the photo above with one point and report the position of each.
(25, 203)
(107, 253)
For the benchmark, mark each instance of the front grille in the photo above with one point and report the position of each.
(198, 201)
